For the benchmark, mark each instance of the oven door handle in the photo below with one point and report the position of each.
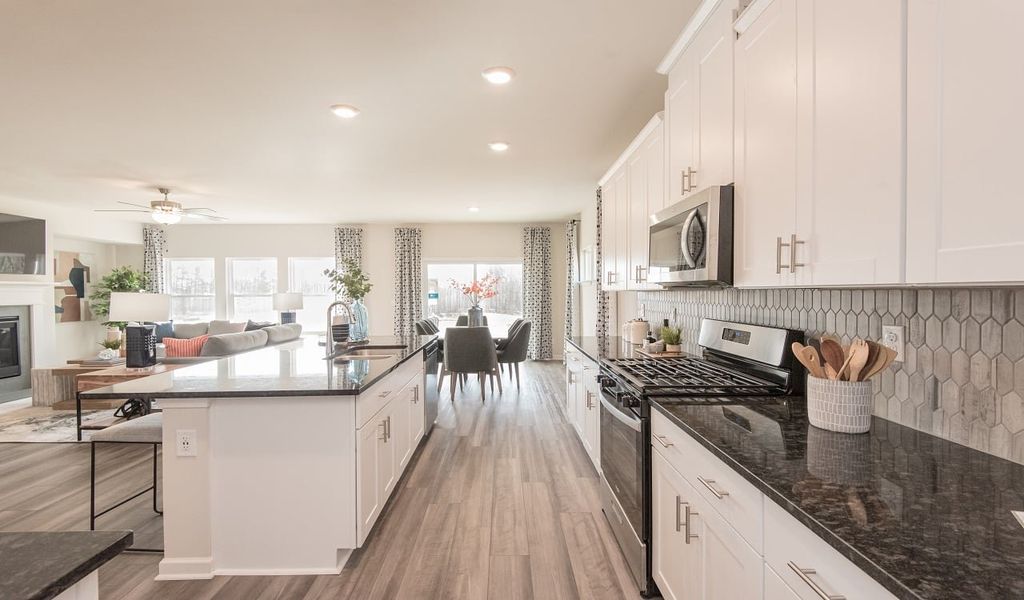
(633, 424)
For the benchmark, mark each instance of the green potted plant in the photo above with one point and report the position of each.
(671, 336)
(353, 283)
(121, 279)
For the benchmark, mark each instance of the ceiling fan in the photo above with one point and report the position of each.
(166, 211)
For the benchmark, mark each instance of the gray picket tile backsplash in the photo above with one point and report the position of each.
(963, 377)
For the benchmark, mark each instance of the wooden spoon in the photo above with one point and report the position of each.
(859, 353)
(808, 357)
(885, 357)
(834, 356)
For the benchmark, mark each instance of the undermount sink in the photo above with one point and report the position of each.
(365, 352)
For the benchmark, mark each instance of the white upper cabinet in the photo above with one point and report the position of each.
(608, 229)
(850, 169)
(819, 190)
(766, 149)
(699, 102)
(965, 89)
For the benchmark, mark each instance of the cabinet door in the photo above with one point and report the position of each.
(621, 182)
(775, 588)
(765, 144)
(368, 498)
(400, 436)
(712, 56)
(964, 94)
(654, 148)
(592, 400)
(637, 226)
(731, 568)
(609, 205)
(417, 417)
(851, 214)
(680, 125)
(579, 400)
(387, 457)
(675, 565)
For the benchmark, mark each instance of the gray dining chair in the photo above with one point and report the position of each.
(500, 342)
(425, 327)
(469, 350)
(463, 321)
(515, 348)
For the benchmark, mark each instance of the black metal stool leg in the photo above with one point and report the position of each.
(92, 486)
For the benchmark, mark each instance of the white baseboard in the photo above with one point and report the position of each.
(175, 569)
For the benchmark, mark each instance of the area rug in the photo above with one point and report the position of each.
(22, 422)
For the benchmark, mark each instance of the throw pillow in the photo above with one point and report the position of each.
(189, 330)
(164, 329)
(255, 325)
(222, 327)
(184, 348)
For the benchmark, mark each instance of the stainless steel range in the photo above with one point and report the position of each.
(738, 363)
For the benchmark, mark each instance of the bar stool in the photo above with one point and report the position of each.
(142, 430)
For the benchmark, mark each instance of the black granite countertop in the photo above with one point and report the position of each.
(292, 369)
(925, 517)
(41, 565)
(596, 348)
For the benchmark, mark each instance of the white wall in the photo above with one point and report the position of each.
(440, 241)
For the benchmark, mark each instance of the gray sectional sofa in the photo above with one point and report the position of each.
(226, 344)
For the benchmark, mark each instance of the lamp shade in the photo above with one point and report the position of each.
(287, 301)
(139, 306)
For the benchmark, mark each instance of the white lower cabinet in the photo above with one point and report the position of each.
(384, 446)
(582, 402)
(698, 551)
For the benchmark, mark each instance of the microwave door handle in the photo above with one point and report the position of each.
(633, 424)
(683, 234)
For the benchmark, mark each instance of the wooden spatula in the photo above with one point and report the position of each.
(809, 358)
(885, 357)
(833, 354)
(859, 353)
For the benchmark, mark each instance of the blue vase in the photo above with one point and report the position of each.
(360, 329)
(475, 318)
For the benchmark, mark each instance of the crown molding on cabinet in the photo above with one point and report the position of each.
(700, 16)
(633, 146)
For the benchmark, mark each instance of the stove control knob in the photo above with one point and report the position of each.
(605, 382)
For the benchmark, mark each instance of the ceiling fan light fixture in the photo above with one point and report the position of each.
(345, 111)
(498, 75)
(166, 217)
(498, 146)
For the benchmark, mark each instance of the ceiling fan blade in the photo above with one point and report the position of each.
(122, 210)
(207, 217)
(196, 210)
(135, 205)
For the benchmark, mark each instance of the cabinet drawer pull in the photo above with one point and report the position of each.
(384, 394)
(682, 182)
(661, 440)
(690, 172)
(686, 522)
(707, 483)
(641, 275)
(383, 431)
(778, 255)
(793, 243)
(805, 575)
(679, 521)
(590, 400)
(415, 394)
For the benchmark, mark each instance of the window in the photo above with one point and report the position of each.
(190, 283)
(251, 286)
(306, 275)
(447, 303)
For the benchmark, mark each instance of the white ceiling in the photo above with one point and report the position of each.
(226, 102)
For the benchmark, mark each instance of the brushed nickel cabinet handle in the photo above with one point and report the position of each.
(679, 506)
(641, 274)
(805, 576)
(690, 172)
(682, 182)
(779, 245)
(384, 394)
(708, 484)
(383, 431)
(387, 429)
(661, 440)
(793, 243)
(686, 524)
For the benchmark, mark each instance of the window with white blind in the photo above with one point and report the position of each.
(306, 276)
(190, 283)
(252, 283)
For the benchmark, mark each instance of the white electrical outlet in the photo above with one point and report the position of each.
(186, 439)
(892, 337)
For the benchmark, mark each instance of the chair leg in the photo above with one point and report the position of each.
(483, 388)
(490, 377)
(462, 382)
(440, 380)
(451, 380)
(517, 375)
(155, 487)
(92, 486)
(498, 377)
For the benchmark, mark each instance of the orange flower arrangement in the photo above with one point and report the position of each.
(477, 290)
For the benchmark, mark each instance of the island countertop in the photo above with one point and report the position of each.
(925, 517)
(41, 565)
(292, 369)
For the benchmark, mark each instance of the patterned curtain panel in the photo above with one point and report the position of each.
(348, 245)
(572, 271)
(154, 244)
(602, 296)
(408, 279)
(537, 290)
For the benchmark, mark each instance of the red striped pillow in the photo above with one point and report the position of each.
(185, 347)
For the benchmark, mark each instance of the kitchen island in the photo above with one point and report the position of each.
(279, 461)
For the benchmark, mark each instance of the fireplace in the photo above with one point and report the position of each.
(10, 359)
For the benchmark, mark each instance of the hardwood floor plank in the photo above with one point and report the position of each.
(588, 558)
(510, 578)
(508, 521)
(426, 572)
(550, 570)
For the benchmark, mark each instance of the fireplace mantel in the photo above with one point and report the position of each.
(38, 296)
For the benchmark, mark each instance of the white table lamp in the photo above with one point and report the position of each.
(287, 303)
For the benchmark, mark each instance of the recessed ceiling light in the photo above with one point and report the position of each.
(345, 111)
(499, 75)
(474, 209)
(498, 146)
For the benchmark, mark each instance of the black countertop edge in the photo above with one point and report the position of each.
(99, 394)
(875, 571)
(44, 564)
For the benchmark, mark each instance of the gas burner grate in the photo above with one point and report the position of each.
(690, 377)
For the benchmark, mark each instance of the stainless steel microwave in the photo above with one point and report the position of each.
(691, 241)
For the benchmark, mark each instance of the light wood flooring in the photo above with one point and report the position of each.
(501, 502)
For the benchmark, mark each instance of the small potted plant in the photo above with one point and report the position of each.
(352, 283)
(111, 349)
(671, 337)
